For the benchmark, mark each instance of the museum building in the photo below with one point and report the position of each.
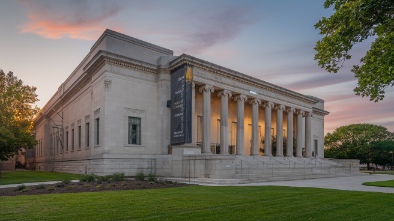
(132, 106)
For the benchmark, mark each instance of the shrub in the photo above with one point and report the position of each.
(88, 178)
(60, 184)
(118, 177)
(152, 177)
(101, 179)
(40, 187)
(140, 176)
(20, 187)
(25, 190)
(66, 181)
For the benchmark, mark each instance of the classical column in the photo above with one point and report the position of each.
(194, 116)
(289, 152)
(224, 95)
(240, 123)
(279, 129)
(255, 126)
(206, 118)
(299, 114)
(267, 135)
(308, 134)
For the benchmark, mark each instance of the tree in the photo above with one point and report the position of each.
(353, 141)
(353, 22)
(380, 152)
(16, 115)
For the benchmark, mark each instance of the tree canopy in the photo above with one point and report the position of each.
(353, 22)
(16, 115)
(354, 141)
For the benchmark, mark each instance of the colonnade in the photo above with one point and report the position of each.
(255, 103)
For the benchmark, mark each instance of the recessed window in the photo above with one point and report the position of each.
(79, 137)
(66, 141)
(87, 134)
(134, 135)
(72, 139)
(97, 131)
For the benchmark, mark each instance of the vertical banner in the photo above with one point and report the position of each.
(181, 105)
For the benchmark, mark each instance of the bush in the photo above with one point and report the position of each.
(66, 181)
(118, 177)
(60, 184)
(103, 178)
(20, 187)
(40, 187)
(140, 176)
(152, 177)
(88, 178)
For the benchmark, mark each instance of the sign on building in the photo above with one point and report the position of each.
(181, 105)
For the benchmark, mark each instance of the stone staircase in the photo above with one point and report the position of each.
(262, 168)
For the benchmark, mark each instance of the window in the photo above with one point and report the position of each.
(66, 141)
(79, 137)
(134, 130)
(87, 134)
(315, 147)
(97, 132)
(72, 139)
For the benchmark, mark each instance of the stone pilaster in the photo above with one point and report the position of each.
(279, 130)
(206, 118)
(299, 114)
(224, 95)
(240, 99)
(308, 134)
(255, 126)
(267, 135)
(290, 112)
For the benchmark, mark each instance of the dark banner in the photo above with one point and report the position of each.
(181, 105)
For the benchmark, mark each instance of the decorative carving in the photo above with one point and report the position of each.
(107, 83)
(97, 111)
(268, 104)
(299, 112)
(307, 114)
(255, 101)
(79, 121)
(224, 93)
(279, 107)
(206, 87)
(87, 118)
(290, 110)
(240, 97)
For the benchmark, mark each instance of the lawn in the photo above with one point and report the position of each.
(386, 183)
(203, 203)
(16, 177)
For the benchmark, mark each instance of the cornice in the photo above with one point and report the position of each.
(237, 76)
(319, 111)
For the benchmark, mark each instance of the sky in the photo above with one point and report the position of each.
(43, 41)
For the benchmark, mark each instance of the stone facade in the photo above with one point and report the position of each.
(87, 126)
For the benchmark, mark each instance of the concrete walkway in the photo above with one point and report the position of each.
(353, 183)
(32, 184)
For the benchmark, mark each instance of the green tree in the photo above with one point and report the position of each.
(353, 22)
(353, 141)
(380, 152)
(16, 115)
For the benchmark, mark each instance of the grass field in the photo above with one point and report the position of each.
(203, 203)
(16, 177)
(386, 183)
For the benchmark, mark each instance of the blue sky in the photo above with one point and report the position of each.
(42, 42)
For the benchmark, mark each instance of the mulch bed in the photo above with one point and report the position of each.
(87, 187)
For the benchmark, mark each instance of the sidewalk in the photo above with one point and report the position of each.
(32, 184)
(353, 183)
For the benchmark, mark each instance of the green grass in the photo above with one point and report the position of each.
(203, 203)
(386, 183)
(388, 172)
(16, 177)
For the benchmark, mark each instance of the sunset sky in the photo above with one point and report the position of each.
(42, 42)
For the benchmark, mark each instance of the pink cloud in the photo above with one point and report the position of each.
(75, 19)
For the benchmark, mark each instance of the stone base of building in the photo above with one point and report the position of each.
(238, 169)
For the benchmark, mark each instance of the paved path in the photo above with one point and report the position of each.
(340, 183)
(32, 184)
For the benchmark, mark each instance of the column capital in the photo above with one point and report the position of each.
(268, 104)
(279, 107)
(307, 114)
(290, 109)
(255, 101)
(193, 85)
(225, 93)
(206, 87)
(301, 112)
(240, 97)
